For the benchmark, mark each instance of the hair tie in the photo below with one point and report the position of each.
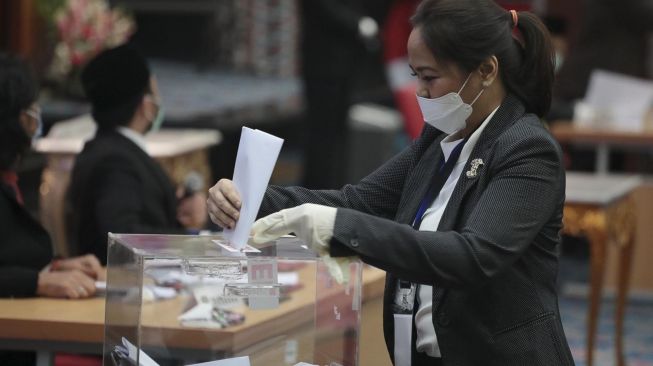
(515, 18)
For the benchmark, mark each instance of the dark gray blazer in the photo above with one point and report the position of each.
(493, 261)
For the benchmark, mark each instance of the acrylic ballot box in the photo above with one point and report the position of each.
(187, 300)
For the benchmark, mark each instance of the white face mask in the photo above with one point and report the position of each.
(447, 113)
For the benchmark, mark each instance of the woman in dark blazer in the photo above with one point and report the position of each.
(26, 265)
(466, 220)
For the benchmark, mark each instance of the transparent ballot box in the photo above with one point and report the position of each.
(187, 300)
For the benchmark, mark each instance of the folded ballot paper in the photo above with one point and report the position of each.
(257, 154)
(125, 354)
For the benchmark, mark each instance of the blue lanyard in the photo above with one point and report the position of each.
(439, 179)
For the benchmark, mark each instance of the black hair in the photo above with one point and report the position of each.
(18, 90)
(115, 82)
(118, 115)
(467, 32)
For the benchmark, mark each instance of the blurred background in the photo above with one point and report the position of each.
(341, 96)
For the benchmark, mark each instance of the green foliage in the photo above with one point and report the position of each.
(48, 8)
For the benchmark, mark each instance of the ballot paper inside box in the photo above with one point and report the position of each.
(183, 300)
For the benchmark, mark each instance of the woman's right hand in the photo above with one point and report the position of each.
(73, 284)
(224, 204)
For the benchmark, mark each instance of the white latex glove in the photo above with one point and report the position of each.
(310, 222)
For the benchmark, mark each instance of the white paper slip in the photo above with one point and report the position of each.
(257, 154)
(618, 101)
(238, 361)
(244, 249)
(143, 358)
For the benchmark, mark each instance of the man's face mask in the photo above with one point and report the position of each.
(158, 119)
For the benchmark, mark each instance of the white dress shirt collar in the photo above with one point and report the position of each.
(448, 145)
(134, 136)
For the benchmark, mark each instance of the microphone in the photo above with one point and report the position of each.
(193, 183)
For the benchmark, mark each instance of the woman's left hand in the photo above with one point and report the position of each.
(313, 224)
(89, 264)
(310, 222)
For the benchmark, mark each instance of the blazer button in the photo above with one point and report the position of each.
(443, 319)
(354, 243)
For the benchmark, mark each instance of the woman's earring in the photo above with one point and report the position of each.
(486, 83)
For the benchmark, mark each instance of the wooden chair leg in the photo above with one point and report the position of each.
(623, 282)
(598, 256)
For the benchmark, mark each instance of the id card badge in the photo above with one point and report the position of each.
(403, 339)
(404, 297)
(403, 322)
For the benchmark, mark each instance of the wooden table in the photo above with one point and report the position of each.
(603, 139)
(54, 325)
(179, 151)
(600, 208)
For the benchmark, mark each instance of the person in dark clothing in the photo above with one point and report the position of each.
(27, 267)
(334, 35)
(116, 186)
(466, 220)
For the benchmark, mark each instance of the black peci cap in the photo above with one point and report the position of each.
(114, 79)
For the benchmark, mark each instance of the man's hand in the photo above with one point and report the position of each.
(191, 211)
(224, 204)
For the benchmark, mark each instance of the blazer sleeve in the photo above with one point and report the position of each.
(377, 194)
(18, 281)
(15, 280)
(521, 197)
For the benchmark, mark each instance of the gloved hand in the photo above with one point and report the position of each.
(310, 222)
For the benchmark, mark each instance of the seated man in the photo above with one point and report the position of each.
(116, 186)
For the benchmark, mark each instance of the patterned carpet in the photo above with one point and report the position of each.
(638, 331)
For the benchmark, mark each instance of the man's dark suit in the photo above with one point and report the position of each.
(116, 187)
(332, 52)
(493, 261)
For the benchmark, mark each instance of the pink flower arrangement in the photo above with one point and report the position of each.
(84, 28)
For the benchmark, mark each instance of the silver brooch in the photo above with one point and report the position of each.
(474, 166)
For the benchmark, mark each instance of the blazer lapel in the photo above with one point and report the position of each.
(508, 113)
(420, 181)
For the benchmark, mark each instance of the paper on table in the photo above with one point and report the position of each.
(619, 101)
(257, 154)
